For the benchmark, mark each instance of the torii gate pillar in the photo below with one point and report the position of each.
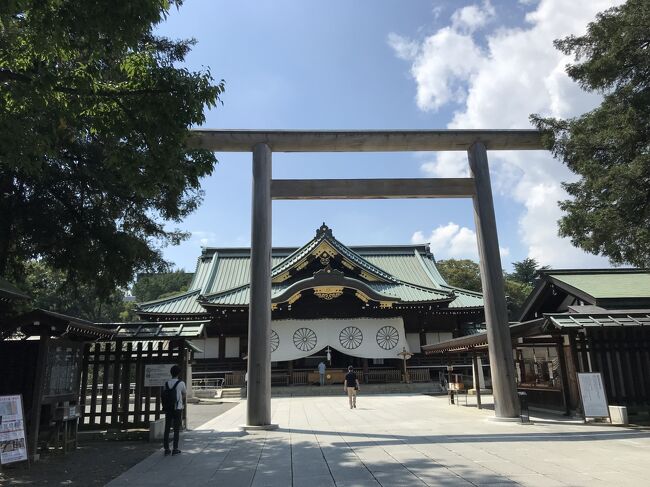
(502, 369)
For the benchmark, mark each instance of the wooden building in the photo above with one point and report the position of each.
(579, 321)
(354, 305)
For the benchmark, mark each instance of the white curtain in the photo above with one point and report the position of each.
(359, 337)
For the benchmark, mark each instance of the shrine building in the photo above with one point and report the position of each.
(359, 306)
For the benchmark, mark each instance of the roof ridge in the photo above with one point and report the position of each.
(169, 298)
(463, 290)
(426, 269)
(369, 266)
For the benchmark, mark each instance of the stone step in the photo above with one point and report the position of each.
(231, 393)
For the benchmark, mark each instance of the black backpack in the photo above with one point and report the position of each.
(168, 397)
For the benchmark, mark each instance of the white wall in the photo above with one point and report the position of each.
(232, 347)
(210, 347)
(438, 336)
(413, 339)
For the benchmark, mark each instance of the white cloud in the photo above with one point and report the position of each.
(203, 238)
(437, 63)
(472, 17)
(452, 241)
(516, 73)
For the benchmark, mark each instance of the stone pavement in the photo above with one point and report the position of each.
(397, 440)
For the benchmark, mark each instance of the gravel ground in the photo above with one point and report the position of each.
(97, 461)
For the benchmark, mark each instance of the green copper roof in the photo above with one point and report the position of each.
(181, 304)
(599, 320)
(608, 285)
(240, 296)
(406, 272)
(9, 291)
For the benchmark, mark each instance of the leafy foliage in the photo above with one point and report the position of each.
(525, 271)
(51, 290)
(153, 286)
(463, 273)
(609, 147)
(466, 274)
(94, 113)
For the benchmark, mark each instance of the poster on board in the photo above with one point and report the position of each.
(592, 393)
(13, 444)
(155, 375)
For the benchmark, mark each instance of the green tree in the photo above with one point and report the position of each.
(609, 212)
(525, 271)
(94, 113)
(52, 291)
(516, 294)
(463, 273)
(153, 286)
(466, 274)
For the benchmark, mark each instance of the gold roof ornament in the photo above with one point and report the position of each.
(328, 292)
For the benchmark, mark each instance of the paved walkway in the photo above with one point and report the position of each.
(399, 440)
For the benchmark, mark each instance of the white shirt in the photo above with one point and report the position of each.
(180, 389)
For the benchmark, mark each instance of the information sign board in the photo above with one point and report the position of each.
(13, 443)
(155, 375)
(592, 393)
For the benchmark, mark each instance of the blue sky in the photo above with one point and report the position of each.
(379, 64)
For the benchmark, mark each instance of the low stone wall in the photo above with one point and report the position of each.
(337, 390)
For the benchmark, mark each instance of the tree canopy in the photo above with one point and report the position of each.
(94, 112)
(525, 271)
(153, 286)
(608, 147)
(463, 273)
(466, 274)
(50, 289)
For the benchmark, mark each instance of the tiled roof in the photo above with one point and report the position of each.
(608, 284)
(600, 320)
(407, 272)
(182, 304)
(9, 291)
(240, 296)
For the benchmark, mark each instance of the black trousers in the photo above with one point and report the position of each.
(173, 418)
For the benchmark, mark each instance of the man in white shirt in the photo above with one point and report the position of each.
(174, 417)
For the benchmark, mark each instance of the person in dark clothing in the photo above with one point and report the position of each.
(174, 417)
(351, 386)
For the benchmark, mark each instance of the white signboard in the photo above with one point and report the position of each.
(592, 392)
(13, 445)
(155, 375)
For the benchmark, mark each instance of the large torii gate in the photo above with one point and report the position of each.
(262, 143)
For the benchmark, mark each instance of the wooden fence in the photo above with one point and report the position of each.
(623, 357)
(113, 394)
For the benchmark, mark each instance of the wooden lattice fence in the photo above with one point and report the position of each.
(113, 394)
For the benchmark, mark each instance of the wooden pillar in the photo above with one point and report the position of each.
(258, 413)
(290, 371)
(506, 404)
(366, 369)
(477, 380)
(37, 393)
(564, 377)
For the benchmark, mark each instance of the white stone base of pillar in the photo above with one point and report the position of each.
(495, 419)
(263, 427)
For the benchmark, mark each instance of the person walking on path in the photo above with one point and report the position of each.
(351, 386)
(172, 400)
(321, 372)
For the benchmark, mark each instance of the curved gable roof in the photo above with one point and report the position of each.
(405, 272)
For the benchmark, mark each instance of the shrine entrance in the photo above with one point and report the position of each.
(265, 189)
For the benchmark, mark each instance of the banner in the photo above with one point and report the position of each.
(13, 447)
(358, 337)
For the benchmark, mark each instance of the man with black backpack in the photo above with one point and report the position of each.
(172, 402)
